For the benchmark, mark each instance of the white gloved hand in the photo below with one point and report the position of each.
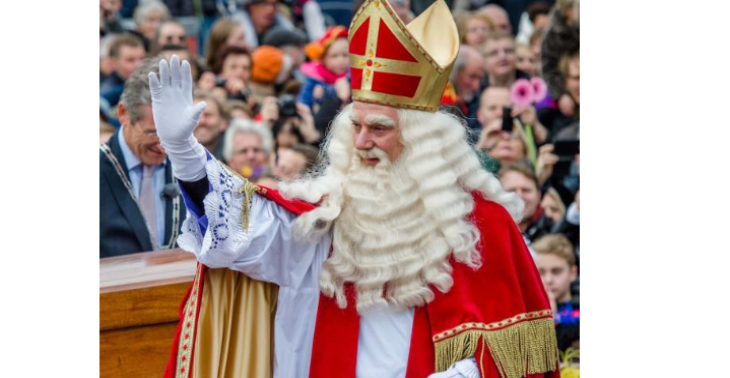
(466, 368)
(176, 118)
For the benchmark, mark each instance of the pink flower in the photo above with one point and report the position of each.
(522, 93)
(539, 89)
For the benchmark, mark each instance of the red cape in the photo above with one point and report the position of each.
(500, 313)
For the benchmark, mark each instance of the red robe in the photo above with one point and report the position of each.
(499, 314)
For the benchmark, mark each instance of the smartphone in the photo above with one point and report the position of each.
(567, 148)
(507, 122)
(566, 151)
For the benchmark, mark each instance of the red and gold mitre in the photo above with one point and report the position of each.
(405, 66)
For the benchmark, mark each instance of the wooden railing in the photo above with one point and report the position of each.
(139, 300)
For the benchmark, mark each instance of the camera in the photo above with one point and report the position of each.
(287, 106)
(508, 122)
(221, 83)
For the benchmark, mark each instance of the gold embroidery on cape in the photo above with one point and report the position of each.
(518, 346)
(491, 326)
(234, 337)
(434, 52)
(248, 189)
(185, 345)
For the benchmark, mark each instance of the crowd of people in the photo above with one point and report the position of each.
(275, 73)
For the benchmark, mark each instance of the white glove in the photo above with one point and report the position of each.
(466, 368)
(176, 118)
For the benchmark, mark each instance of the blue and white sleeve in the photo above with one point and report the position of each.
(265, 250)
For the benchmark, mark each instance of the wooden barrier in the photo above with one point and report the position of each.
(139, 300)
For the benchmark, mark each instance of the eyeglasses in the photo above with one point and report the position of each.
(149, 133)
(175, 38)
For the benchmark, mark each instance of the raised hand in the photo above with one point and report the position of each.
(176, 117)
(546, 161)
(270, 111)
(491, 135)
(172, 102)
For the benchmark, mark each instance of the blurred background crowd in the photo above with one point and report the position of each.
(274, 73)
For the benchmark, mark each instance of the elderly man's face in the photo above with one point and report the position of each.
(469, 79)
(141, 136)
(375, 127)
(248, 151)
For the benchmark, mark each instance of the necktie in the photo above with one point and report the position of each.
(147, 203)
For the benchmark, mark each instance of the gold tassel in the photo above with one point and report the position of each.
(528, 347)
(248, 189)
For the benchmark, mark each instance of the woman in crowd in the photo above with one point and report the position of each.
(552, 205)
(225, 32)
(473, 29)
(233, 74)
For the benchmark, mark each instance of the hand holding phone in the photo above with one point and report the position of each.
(508, 123)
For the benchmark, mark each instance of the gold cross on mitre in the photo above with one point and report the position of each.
(405, 66)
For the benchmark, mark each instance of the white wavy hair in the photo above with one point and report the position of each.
(395, 225)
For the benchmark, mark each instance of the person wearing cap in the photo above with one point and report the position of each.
(271, 67)
(398, 256)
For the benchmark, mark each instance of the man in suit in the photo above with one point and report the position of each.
(140, 208)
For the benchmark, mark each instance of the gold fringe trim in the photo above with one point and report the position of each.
(528, 347)
(248, 189)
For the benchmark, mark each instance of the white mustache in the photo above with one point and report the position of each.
(372, 153)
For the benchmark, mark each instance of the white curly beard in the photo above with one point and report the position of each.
(382, 241)
(395, 225)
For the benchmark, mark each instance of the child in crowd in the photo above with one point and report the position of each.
(525, 59)
(556, 264)
(330, 61)
(552, 205)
